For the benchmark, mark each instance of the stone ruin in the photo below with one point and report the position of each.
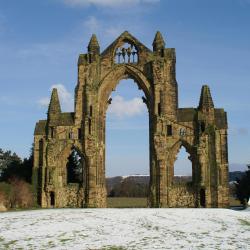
(201, 130)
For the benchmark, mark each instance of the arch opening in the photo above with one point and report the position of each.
(123, 72)
(127, 146)
(183, 172)
(75, 167)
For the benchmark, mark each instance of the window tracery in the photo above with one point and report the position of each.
(127, 53)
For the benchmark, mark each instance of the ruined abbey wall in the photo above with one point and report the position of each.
(201, 130)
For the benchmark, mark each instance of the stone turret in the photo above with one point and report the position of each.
(206, 104)
(206, 101)
(158, 43)
(93, 47)
(54, 109)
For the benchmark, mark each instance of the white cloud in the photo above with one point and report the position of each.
(108, 3)
(103, 28)
(66, 98)
(126, 108)
(92, 24)
(107, 30)
(114, 31)
(44, 102)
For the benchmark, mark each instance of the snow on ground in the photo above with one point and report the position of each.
(125, 229)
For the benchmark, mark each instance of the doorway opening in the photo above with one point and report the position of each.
(52, 199)
(127, 147)
(202, 197)
(183, 168)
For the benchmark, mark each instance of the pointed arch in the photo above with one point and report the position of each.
(172, 157)
(183, 171)
(125, 37)
(176, 147)
(119, 72)
(75, 167)
(62, 159)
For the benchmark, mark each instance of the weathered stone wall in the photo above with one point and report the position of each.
(72, 195)
(182, 195)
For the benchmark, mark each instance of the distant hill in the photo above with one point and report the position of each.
(129, 186)
(137, 185)
(233, 176)
(134, 185)
(234, 167)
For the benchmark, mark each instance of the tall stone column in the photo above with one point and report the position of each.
(160, 171)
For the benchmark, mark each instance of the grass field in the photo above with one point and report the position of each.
(234, 202)
(126, 202)
(130, 202)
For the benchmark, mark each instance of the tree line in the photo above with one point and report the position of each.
(128, 188)
(15, 181)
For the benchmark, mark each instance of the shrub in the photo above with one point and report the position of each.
(21, 195)
(5, 190)
(3, 201)
(243, 188)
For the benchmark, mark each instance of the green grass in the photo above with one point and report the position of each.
(9, 244)
(126, 202)
(244, 222)
(65, 240)
(234, 202)
(113, 248)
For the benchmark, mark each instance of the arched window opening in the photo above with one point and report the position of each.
(202, 127)
(41, 152)
(162, 52)
(79, 133)
(52, 132)
(169, 130)
(90, 110)
(89, 123)
(127, 147)
(75, 167)
(182, 168)
(71, 135)
(127, 53)
(159, 108)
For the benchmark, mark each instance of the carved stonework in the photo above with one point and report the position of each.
(201, 130)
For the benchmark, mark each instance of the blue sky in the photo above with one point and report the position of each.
(40, 42)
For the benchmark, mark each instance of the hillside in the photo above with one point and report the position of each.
(233, 176)
(108, 229)
(142, 181)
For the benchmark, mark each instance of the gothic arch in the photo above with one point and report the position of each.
(68, 149)
(119, 72)
(172, 156)
(176, 147)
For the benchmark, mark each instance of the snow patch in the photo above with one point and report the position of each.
(125, 228)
